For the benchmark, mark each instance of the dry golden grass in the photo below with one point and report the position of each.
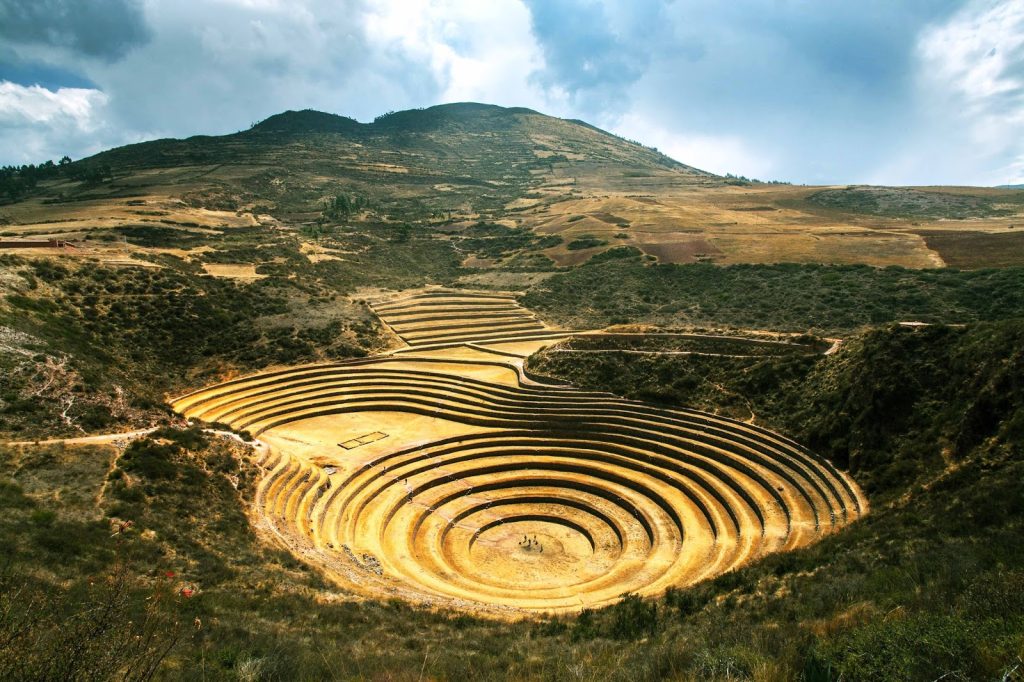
(241, 271)
(318, 254)
(682, 220)
(76, 219)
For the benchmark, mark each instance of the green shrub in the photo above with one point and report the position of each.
(12, 496)
(150, 460)
(633, 618)
(585, 242)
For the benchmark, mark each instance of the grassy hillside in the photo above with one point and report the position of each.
(917, 203)
(787, 297)
(97, 348)
(464, 159)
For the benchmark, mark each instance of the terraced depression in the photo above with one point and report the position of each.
(446, 318)
(442, 473)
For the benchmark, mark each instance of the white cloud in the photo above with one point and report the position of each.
(216, 67)
(711, 152)
(477, 51)
(38, 124)
(33, 104)
(972, 54)
(971, 83)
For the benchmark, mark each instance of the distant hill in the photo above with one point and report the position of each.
(466, 158)
(1009, 186)
(306, 121)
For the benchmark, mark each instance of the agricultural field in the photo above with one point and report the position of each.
(677, 220)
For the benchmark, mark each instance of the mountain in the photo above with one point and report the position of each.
(472, 159)
(581, 190)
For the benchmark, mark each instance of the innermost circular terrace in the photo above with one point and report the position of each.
(443, 474)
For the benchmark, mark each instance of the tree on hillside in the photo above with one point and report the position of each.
(343, 207)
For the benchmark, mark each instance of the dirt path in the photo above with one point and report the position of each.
(651, 352)
(87, 440)
(114, 438)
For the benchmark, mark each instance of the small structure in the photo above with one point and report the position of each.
(35, 244)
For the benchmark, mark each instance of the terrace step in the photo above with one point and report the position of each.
(548, 499)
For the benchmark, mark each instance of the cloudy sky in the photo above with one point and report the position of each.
(812, 91)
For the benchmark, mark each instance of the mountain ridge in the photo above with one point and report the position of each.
(580, 190)
(452, 118)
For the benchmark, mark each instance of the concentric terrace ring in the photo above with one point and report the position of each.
(551, 499)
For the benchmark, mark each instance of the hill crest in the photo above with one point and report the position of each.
(474, 114)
